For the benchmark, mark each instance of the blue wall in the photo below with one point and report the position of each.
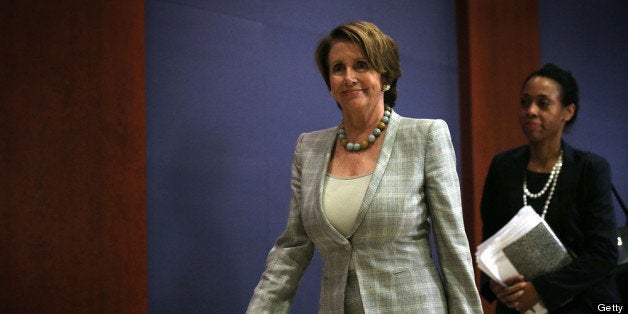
(231, 84)
(589, 39)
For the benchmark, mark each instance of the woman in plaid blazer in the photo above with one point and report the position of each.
(366, 194)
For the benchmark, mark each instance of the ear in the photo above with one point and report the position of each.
(568, 112)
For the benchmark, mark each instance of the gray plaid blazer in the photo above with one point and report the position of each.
(414, 187)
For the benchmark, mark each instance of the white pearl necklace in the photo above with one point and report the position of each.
(553, 178)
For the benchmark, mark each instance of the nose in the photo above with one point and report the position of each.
(532, 109)
(350, 78)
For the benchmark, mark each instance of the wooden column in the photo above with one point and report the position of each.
(72, 157)
(498, 46)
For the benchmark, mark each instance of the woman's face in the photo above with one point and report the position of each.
(541, 115)
(352, 80)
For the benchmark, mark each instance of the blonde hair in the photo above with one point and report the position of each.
(379, 49)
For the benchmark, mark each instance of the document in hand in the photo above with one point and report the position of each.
(526, 245)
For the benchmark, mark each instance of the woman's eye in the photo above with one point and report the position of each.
(524, 102)
(337, 68)
(362, 65)
(543, 104)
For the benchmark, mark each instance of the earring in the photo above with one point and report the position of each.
(385, 88)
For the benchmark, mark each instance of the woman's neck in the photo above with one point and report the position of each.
(543, 156)
(360, 123)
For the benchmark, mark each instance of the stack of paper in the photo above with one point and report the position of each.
(526, 245)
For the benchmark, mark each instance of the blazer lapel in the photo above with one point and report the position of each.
(568, 175)
(517, 172)
(380, 169)
(324, 148)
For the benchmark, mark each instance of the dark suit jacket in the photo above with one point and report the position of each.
(580, 213)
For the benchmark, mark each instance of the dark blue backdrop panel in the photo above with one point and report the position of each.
(589, 39)
(230, 86)
(206, 200)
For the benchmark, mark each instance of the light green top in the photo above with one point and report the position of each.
(342, 198)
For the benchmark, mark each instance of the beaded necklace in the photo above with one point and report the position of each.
(362, 145)
(553, 178)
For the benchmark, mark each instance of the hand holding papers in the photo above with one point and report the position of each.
(526, 245)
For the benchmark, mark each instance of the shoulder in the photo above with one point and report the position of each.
(516, 156)
(584, 158)
(415, 123)
(318, 135)
(422, 128)
(580, 155)
(315, 142)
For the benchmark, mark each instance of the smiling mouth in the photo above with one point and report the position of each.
(531, 125)
(351, 91)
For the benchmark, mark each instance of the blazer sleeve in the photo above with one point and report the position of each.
(596, 251)
(442, 190)
(289, 257)
(489, 224)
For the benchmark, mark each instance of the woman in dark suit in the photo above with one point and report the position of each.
(367, 192)
(570, 188)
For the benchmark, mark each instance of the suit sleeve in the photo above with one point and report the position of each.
(289, 257)
(489, 225)
(596, 254)
(443, 195)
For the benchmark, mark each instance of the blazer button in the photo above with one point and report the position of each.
(348, 247)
